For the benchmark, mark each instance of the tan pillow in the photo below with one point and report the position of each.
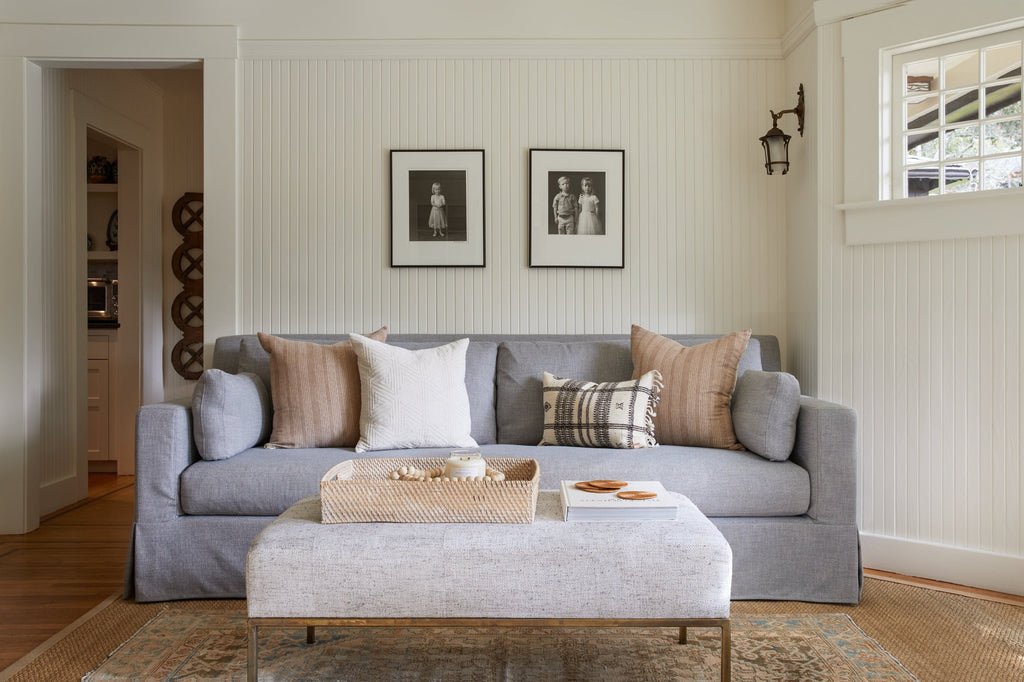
(315, 391)
(699, 380)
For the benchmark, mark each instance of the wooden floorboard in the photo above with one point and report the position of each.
(72, 562)
(51, 577)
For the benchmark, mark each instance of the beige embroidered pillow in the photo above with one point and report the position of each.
(699, 380)
(413, 398)
(613, 414)
(315, 391)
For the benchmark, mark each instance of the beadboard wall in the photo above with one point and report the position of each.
(705, 227)
(923, 339)
(62, 313)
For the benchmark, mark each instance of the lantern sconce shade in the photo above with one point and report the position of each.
(776, 142)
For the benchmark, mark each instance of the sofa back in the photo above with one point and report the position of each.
(504, 372)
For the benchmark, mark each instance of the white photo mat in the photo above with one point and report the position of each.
(461, 175)
(606, 167)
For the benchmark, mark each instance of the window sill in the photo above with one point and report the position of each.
(995, 213)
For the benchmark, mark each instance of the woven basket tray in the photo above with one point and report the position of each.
(360, 491)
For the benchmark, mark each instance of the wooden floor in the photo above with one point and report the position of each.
(56, 574)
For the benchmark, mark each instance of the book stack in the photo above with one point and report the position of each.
(583, 503)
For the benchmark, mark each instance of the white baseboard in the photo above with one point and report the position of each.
(974, 568)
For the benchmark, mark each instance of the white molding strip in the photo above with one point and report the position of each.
(968, 215)
(95, 41)
(832, 11)
(510, 49)
(798, 32)
(974, 568)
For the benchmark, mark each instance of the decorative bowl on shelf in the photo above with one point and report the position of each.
(98, 169)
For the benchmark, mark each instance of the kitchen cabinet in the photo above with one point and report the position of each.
(98, 392)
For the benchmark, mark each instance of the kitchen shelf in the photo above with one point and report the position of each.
(104, 187)
(103, 256)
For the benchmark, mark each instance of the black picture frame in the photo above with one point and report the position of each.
(425, 231)
(569, 232)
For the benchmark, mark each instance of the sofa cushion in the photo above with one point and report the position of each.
(412, 398)
(720, 482)
(699, 381)
(315, 392)
(765, 406)
(230, 413)
(612, 414)
(481, 357)
(520, 373)
(522, 363)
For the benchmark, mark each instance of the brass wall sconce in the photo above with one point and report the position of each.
(776, 142)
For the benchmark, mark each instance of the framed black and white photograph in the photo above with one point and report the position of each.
(437, 208)
(577, 213)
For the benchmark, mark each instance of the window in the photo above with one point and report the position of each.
(957, 117)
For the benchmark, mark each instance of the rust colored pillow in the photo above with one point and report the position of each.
(315, 391)
(698, 384)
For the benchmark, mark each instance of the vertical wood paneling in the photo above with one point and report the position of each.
(924, 340)
(703, 251)
(60, 296)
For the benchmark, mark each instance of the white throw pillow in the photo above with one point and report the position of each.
(412, 398)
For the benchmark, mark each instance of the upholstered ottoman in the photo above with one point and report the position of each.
(300, 572)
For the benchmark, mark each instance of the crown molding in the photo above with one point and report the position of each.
(510, 49)
(798, 32)
(831, 11)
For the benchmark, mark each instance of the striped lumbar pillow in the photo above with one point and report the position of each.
(699, 381)
(315, 391)
(614, 414)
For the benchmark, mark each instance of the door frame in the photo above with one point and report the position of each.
(24, 50)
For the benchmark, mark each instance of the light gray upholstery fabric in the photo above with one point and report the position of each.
(826, 447)
(764, 410)
(164, 448)
(813, 556)
(720, 483)
(231, 412)
(298, 567)
(827, 567)
(253, 358)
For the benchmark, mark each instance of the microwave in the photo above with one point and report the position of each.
(102, 295)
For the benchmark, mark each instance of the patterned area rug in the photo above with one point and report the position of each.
(179, 645)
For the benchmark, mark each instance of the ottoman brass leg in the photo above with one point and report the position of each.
(682, 635)
(310, 634)
(252, 673)
(726, 652)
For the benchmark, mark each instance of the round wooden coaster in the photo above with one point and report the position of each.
(582, 485)
(607, 484)
(636, 495)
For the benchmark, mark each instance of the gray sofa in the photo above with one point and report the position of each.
(791, 524)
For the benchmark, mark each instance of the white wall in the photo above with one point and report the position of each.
(183, 172)
(705, 236)
(801, 186)
(923, 338)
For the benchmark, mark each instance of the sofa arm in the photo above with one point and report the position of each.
(826, 446)
(164, 447)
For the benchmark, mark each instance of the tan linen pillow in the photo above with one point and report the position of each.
(315, 391)
(698, 385)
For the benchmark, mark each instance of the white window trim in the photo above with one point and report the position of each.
(892, 101)
(866, 43)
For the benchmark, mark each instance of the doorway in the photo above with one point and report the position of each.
(45, 404)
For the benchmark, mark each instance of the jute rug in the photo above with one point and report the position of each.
(177, 646)
(896, 632)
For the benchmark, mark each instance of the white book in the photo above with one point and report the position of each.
(578, 505)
